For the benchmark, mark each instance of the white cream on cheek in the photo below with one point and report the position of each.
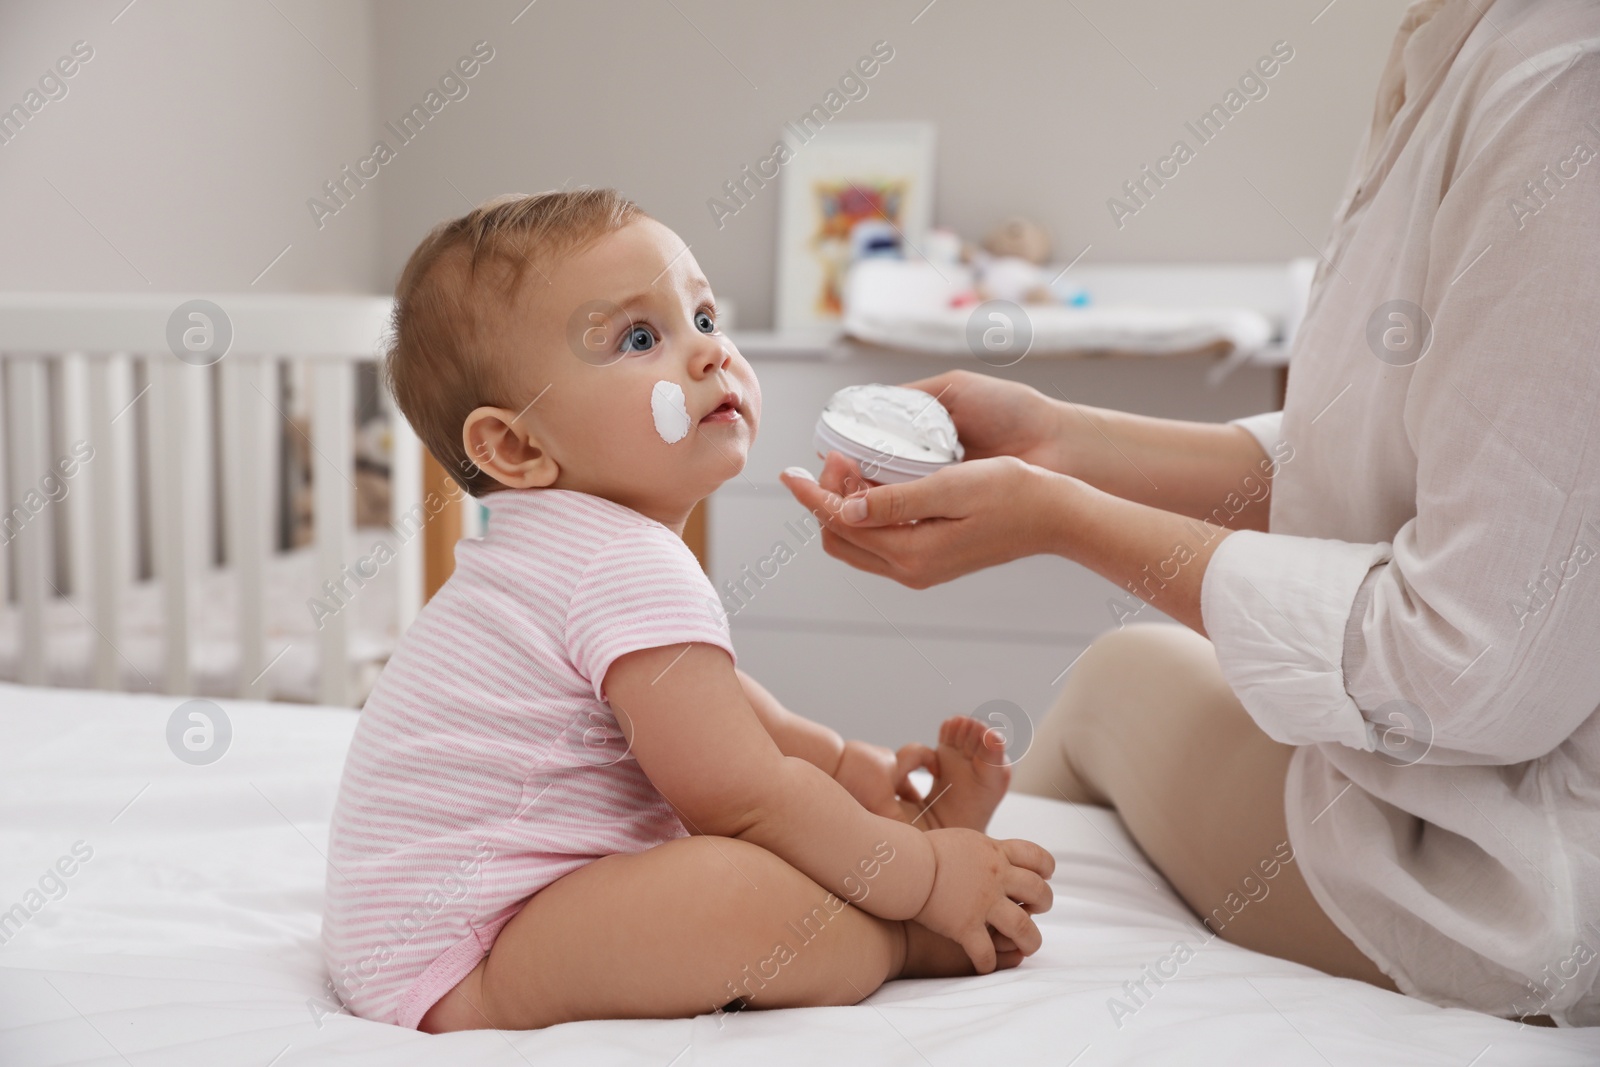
(670, 413)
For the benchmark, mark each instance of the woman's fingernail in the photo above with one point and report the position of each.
(800, 472)
(855, 509)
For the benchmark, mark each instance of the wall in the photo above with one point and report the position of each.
(1043, 109)
(182, 154)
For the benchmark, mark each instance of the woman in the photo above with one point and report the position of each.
(1391, 662)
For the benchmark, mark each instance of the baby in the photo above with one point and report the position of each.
(563, 800)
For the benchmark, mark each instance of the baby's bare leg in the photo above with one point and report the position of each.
(680, 930)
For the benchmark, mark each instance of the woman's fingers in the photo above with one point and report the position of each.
(824, 505)
(844, 542)
(1009, 919)
(935, 496)
(842, 475)
(825, 497)
(960, 519)
(850, 552)
(1027, 854)
(846, 494)
(818, 499)
(941, 385)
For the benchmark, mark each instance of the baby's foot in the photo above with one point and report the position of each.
(973, 774)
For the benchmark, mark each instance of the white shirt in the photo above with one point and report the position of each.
(1423, 617)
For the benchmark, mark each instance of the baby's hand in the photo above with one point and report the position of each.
(979, 882)
(879, 778)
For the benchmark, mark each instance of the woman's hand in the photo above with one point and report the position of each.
(964, 518)
(995, 417)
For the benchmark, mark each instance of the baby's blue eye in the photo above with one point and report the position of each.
(705, 323)
(638, 339)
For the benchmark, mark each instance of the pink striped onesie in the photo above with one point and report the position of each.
(487, 763)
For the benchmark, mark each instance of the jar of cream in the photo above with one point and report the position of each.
(893, 433)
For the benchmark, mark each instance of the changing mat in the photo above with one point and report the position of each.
(1126, 329)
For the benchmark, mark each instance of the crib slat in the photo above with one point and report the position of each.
(244, 416)
(200, 504)
(197, 503)
(106, 559)
(74, 370)
(332, 437)
(26, 522)
(406, 519)
(170, 522)
(122, 466)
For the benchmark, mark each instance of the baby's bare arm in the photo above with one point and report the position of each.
(875, 776)
(696, 736)
(795, 735)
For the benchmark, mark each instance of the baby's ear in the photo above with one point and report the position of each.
(506, 451)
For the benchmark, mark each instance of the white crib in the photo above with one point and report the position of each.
(96, 492)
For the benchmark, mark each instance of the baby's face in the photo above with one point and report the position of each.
(641, 397)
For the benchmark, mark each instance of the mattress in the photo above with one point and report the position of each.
(186, 933)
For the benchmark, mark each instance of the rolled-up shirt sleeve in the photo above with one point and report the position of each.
(1266, 428)
(1275, 606)
(1483, 612)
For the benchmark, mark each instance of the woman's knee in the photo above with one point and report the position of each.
(1143, 671)
(1143, 647)
(1129, 683)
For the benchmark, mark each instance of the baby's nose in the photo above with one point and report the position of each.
(710, 355)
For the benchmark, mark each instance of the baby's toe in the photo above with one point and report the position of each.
(968, 735)
(988, 743)
(962, 732)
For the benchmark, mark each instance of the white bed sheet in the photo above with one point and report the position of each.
(190, 938)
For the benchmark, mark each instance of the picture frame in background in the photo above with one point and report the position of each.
(847, 172)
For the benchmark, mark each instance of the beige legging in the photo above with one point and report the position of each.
(1145, 724)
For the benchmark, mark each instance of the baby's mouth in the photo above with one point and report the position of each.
(727, 411)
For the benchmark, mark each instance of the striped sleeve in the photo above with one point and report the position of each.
(643, 589)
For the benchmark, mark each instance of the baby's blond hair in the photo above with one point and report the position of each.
(448, 351)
